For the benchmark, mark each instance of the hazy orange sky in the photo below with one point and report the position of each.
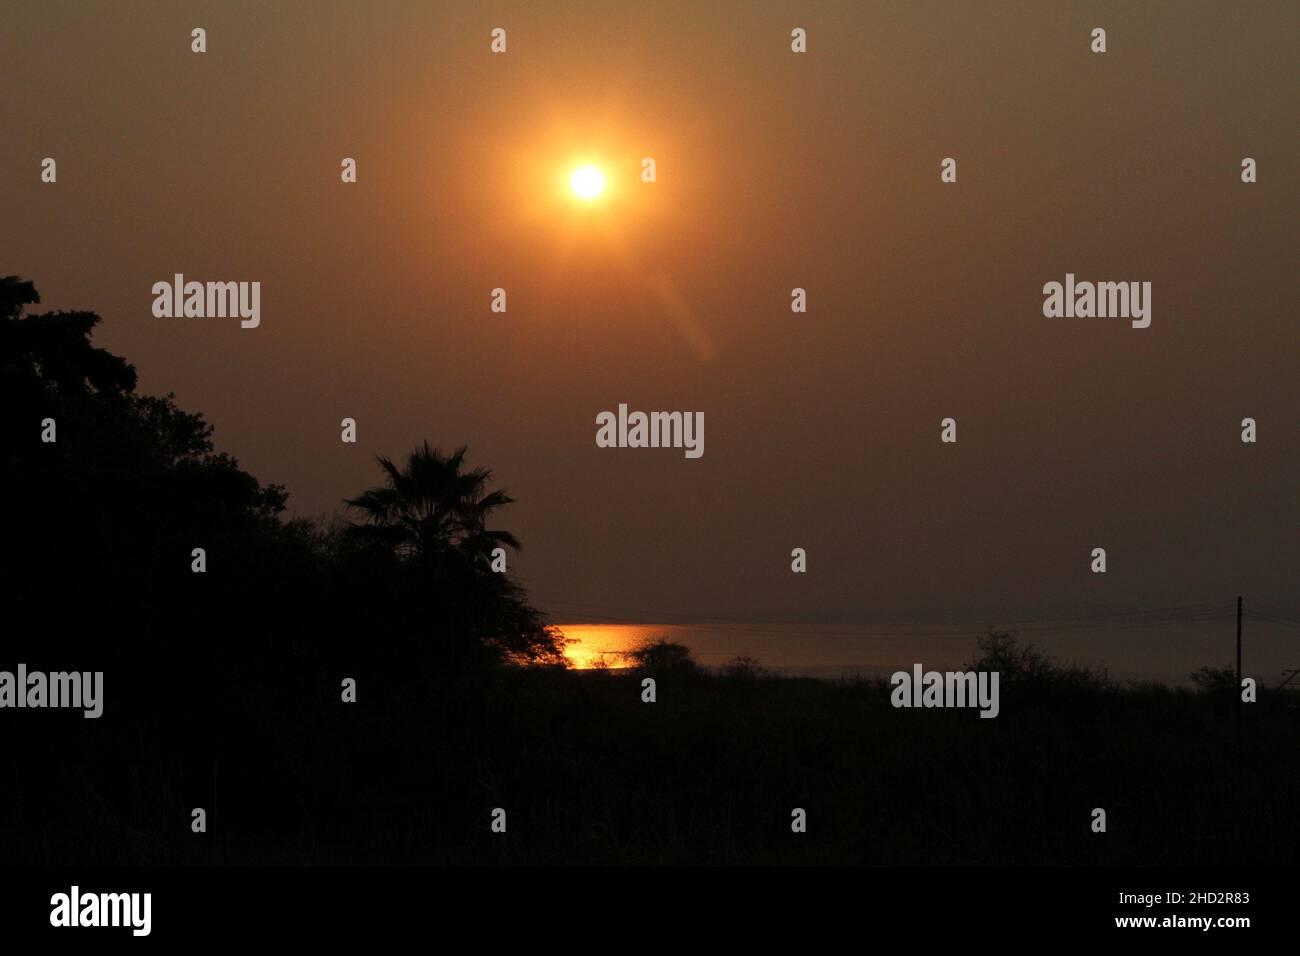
(775, 170)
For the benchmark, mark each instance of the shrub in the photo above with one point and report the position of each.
(658, 656)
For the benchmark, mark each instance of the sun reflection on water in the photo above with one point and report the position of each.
(603, 645)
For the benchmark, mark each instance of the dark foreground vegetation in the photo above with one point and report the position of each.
(588, 773)
(222, 690)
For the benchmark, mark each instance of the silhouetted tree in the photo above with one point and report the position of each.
(660, 656)
(428, 524)
(433, 509)
(132, 481)
(1219, 681)
(1021, 662)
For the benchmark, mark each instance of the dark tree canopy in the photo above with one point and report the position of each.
(132, 484)
(428, 521)
(220, 682)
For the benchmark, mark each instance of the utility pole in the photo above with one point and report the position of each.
(1238, 691)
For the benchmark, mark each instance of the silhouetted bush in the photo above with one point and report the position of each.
(660, 657)
(1023, 663)
(1219, 681)
(744, 668)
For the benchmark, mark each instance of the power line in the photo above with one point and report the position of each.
(666, 617)
(1272, 620)
(959, 629)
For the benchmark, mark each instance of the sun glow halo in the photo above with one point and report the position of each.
(587, 182)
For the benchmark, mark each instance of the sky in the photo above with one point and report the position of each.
(775, 170)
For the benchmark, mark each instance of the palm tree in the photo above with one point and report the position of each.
(433, 509)
(431, 515)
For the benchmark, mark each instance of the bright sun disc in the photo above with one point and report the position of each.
(588, 182)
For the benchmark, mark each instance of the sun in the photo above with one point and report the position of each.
(587, 182)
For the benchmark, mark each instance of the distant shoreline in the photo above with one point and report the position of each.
(1156, 652)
